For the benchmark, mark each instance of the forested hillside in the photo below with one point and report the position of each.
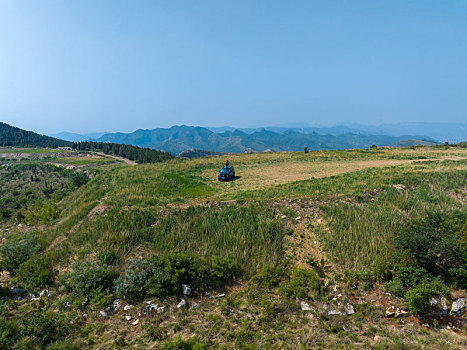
(15, 137)
(135, 153)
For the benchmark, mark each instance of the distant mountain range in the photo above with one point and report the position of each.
(228, 140)
(73, 137)
(451, 132)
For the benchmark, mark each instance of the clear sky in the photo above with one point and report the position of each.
(98, 65)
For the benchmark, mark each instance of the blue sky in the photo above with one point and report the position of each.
(86, 66)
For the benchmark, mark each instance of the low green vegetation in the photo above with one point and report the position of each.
(255, 258)
(29, 191)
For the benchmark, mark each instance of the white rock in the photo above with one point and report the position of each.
(182, 304)
(305, 306)
(458, 307)
(103, 313)
(135, 322)
(349, 309)
(186, 289)
(334, 312)
(128, 307)
(160, 309)
(444, 306)
(128, 318)
(298, 218)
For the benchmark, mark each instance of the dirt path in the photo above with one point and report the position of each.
(265, 175)
(125, 160)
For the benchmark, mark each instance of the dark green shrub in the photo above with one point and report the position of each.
(172, 270)
(418, 298)
(5, 214)
(107, 256)
(395, 287)
(88, 278)
(48, 212)
(382, 269)
(132, 282)
(36, 272)
(459, 277)
(184, 268)
(45, 327)
(223, 269)
(435, 243)
(270, 276)
(79, 179)
(9, 331)
(161, 283)
(16, 252)
(301, 283)
(412, 276)
(408, 259)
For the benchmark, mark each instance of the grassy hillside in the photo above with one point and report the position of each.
(325, 228)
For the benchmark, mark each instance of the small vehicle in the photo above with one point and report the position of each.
(227, 173)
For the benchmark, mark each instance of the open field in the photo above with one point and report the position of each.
(344, 218)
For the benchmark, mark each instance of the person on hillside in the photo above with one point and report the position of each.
(227, 163)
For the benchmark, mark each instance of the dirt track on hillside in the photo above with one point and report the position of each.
(125, 160)
(266, 175)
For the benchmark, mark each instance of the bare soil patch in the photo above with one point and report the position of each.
(262, 175)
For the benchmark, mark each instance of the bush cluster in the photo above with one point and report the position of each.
(164, 275)
(437, 246)
(36, 272)
(418, 298)
(16, 252)
(270, 276)
(9, 331)
(43, 327)
(87, 278)
(302, 282)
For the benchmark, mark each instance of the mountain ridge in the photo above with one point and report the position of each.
(179, 138)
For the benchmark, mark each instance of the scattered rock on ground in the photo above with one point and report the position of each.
(160, 309)
(349, 309)
(186, 289)
(335, 312)
(128, 318)
(182, 304)
(104, 313)
(135, 322)
(458, 307)
(305, 306)
(128, 307)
